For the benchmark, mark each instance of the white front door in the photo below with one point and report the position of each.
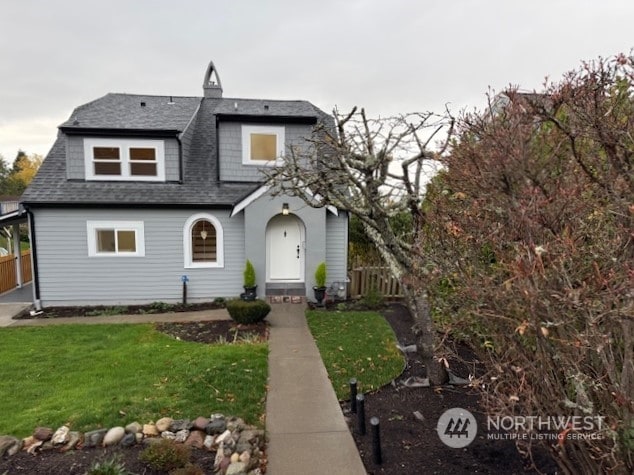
(284, 249)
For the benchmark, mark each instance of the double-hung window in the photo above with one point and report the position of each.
(115, 238)
(119, 159)
(262, 144)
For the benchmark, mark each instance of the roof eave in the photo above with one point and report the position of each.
(113, 132)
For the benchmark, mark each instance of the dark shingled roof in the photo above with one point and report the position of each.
(124, 113)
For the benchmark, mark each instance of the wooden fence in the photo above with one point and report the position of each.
(8, 274)
(366, 278)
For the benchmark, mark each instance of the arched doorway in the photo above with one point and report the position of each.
(285, 249)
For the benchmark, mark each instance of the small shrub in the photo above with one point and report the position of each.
(373, 299)
(189, 469)
(249, 274)
(220, 301)
(320, 275)
(106, 311)
(160, 307)
(246, 312)
(110, 466)
(166, 455)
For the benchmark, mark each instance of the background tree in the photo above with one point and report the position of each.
(14, 181)
(376, 169)
(531, 231)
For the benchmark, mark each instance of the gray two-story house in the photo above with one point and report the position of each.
(139, 191)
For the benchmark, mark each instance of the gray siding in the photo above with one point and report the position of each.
(326, 238)
(75, 167)
(67, 276)
(337, 247)
(230, 149)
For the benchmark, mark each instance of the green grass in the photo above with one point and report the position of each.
(357, 345)
(92, 376)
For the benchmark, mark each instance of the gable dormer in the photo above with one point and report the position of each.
(127, 137)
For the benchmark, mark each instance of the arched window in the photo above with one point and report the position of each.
(202, 241)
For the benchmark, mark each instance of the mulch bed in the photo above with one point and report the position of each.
(411, 446)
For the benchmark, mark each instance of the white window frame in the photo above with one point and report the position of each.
(124, 146)
(139, 237)
(187, 242)
(247, 130)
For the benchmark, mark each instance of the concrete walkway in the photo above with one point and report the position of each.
(306, 429)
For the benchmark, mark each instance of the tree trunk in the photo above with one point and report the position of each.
(426, 337)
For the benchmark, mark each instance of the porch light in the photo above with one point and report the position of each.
(285, 209)
(203, 234)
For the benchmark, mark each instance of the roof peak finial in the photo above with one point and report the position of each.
(211, 84)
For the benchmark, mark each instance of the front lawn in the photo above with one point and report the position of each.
(92, 376)
(357, 345)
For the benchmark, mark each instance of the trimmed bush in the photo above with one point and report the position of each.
(246, 312)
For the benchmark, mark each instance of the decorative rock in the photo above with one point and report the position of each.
(168, 435)
(74, 438)
(164, 423)
(245, 457)
(235, 423)
(216, 426)
(43, 433)
(133, 428)
(235, 457)
(28, 442)
(219, 456)
(139, 437)
(223, 437)
(48, 445)
(31, 450)
(243, 446)
(94, 438)
(200, 423)
(113, 436)
(9, 445)
(150, 430)
(60, 437)
(128, 440)
(196, 439)
(237, 468)
(181, 435)
(209, 442)
(180, 424)
(224, 464)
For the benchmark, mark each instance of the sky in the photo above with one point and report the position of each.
(389, 57)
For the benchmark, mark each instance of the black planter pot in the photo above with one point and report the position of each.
(250, 293)
(320, 294)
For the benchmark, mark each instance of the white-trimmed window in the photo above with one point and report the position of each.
(124, 159)
(115, 238)
(262, 145)
(203, 241)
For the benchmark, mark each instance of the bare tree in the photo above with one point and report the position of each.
(375, 169)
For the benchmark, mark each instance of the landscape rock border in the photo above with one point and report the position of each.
(240, 448)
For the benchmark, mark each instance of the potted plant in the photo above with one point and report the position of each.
(250, 288)
(320, 282)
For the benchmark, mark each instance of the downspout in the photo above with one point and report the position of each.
(36, 274)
